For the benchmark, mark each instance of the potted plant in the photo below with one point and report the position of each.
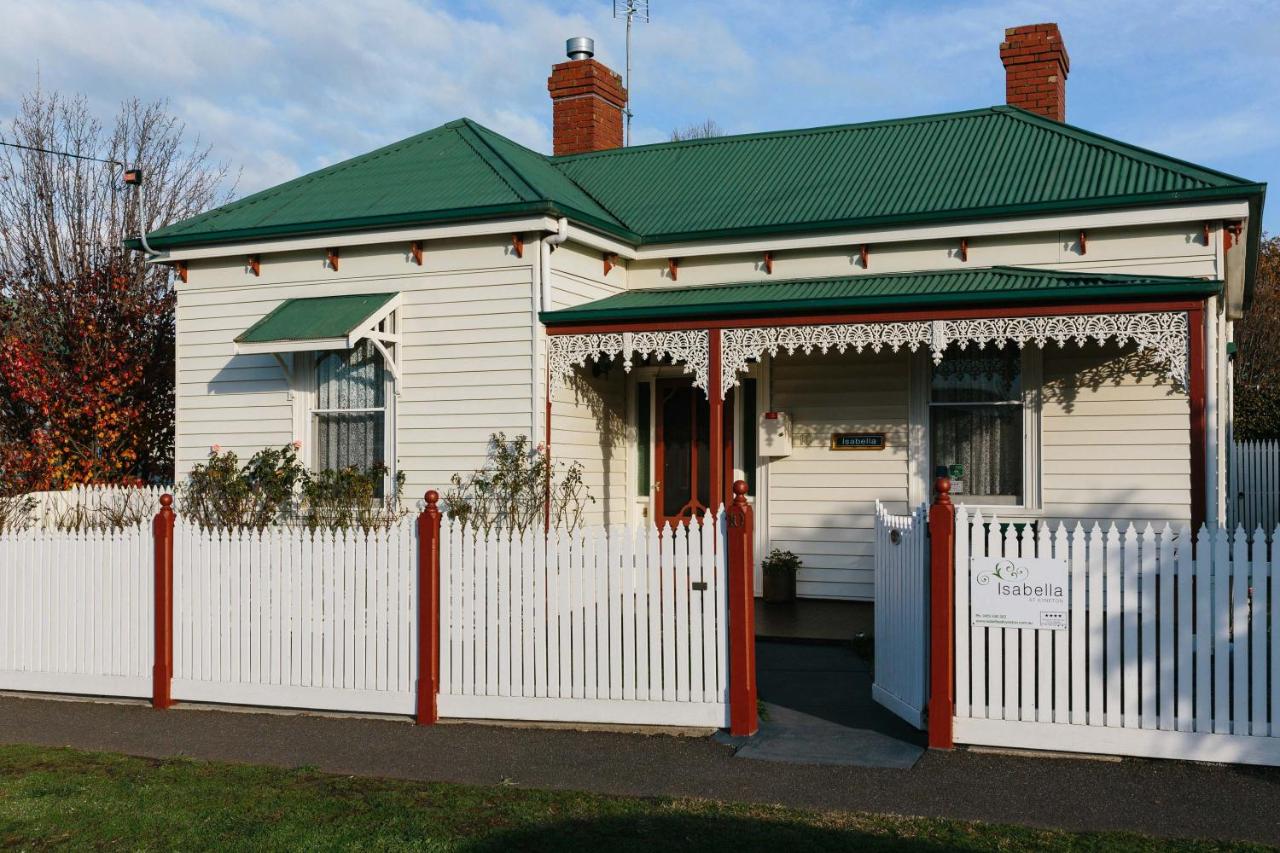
(780, 576)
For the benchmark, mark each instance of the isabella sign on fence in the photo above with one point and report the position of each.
(1018, 592)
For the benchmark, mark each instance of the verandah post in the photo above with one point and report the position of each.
(942, 554)
(742, 619)
(428, 609)
(162, 665)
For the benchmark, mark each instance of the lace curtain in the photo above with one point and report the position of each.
(976, 423)
(351, 408)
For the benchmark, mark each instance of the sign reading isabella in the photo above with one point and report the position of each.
(1018, 592)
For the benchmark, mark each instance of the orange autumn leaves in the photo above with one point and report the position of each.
(86, 371)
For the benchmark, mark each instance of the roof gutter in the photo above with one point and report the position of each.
(576, 316)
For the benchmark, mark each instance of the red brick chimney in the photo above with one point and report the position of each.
(1035, 67)
(587, 102)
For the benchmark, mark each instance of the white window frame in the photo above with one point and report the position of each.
(305, 399)
(921, 490)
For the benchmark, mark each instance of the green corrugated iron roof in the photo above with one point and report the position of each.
(315, 318)
(982, 286)
(997, 161)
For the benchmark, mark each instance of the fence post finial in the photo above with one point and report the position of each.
(942, 554)
(162, 665)
(428, 609)
(742, 628)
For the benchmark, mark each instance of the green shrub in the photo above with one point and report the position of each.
(510, 492)
(781, 562)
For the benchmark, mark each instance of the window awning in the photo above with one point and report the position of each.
(321, 323)
(933, 289)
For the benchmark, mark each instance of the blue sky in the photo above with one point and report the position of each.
(281, 88)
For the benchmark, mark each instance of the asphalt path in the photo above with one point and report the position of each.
(1164, 798)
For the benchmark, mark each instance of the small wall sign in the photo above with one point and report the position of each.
(1018, 592)
(857, 441)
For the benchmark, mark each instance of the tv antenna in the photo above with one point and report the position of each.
(632, 10)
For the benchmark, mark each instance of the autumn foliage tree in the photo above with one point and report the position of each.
(83, 367)
(1257, 364)
(86, 327)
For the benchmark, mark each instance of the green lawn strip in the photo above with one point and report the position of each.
(67, 798)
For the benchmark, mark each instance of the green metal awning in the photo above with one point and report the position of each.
(318, 323)
(970, 287)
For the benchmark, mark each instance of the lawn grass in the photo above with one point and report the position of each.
(71, 799)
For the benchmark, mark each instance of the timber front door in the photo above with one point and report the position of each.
(682, 451)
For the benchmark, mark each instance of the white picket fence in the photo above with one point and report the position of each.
(1253, 485)
(96, 506)
(610, 625)
(1166, 654)
(901, 611)
(76, 611)
(292, 618)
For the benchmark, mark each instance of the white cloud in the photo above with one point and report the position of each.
(285, 87)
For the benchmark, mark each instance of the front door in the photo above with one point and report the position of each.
(682, 451)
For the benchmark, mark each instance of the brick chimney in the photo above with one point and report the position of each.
(587, 102)
(1035, 67)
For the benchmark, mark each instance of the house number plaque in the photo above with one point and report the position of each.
(857, 441)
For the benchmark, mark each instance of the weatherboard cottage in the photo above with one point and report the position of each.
(829, 314)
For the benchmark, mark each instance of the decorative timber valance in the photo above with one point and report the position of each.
(1164, 334)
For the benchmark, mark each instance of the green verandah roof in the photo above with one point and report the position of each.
(983, 286)
(321, 318)
(997, 161)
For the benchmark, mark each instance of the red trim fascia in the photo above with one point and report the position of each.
(1197, 381)
(886, 316)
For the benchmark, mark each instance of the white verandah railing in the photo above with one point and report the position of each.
(1167, 653)
(616, 624)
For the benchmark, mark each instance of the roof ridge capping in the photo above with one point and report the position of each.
(1147, 155)
(670, 145)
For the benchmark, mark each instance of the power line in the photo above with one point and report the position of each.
(60, 153)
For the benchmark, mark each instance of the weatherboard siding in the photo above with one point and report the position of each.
(1169, 249)
(1115, 437)
(822, 502)
(588, 418)
(465, 317)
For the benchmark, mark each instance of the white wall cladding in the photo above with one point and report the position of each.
(1171, 249)
(466, 320)
(822, 502)
(1116, 437)
(588, 417)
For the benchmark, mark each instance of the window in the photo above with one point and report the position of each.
(349, 420)
(978, 426)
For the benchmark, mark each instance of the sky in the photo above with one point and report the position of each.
(280, 88)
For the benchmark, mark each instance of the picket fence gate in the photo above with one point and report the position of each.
(1253, 485)
(294, 618)
(1167, 653)
(902, 606)
(76, 611)
(608, 625)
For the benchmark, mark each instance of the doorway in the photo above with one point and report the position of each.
(682, 451)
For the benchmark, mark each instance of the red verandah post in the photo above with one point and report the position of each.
(742, 617)
(162, 667)
(428, 609)
(942, 554)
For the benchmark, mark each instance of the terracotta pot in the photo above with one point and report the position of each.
(779, 587)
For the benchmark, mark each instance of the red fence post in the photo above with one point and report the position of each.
(742, 616)
(428, 609)
(942, 600)
(162, 667)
